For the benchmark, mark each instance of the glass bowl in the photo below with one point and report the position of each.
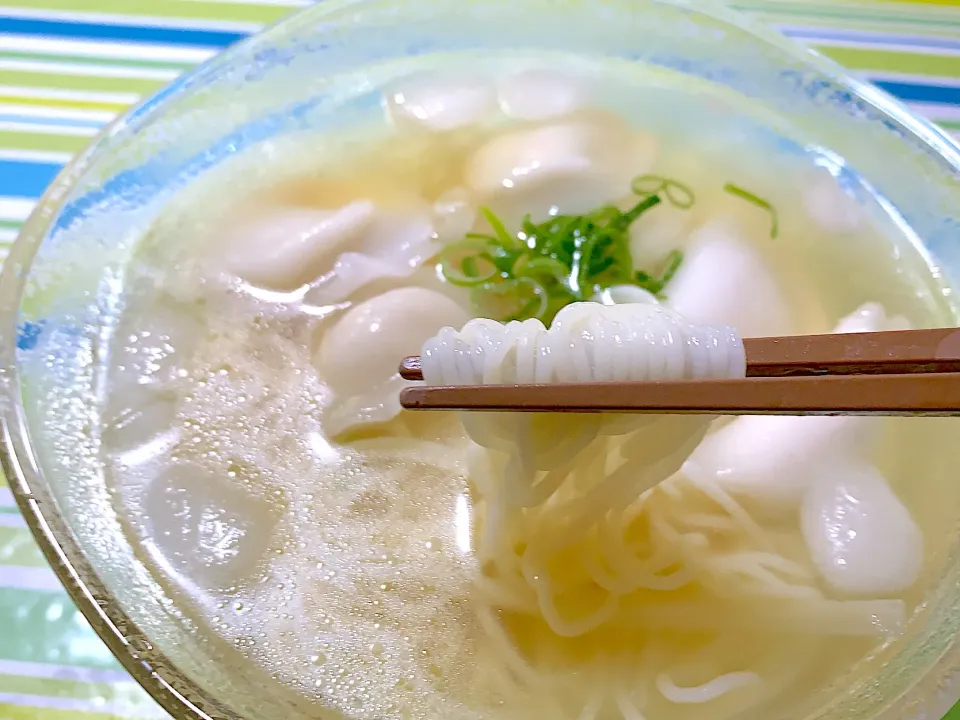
(61, 284)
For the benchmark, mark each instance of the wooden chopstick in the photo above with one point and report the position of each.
(911, 372)
(898, 351)
(915, 394)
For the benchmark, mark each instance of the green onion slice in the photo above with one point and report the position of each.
(503, 236)
(540, 267)
(468, 262)
(739, 192)
(656, 283)
(627, 218)
(605, 215)
(566, 258)
(677, 194)
(518, 299)
(672, 264)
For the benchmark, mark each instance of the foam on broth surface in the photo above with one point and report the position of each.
(338, 555)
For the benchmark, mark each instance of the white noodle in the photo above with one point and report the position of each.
(592, 708)
(716, 493)
(595, 523)
(717, 687)
(586, 342)
(508, 651)
(627, 709)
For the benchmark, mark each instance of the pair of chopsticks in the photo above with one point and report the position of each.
(904, 372)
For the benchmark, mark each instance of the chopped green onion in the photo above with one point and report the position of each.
(468, 262)
(606, 215)
(517, 299)
(470, 268)
(759, 202)
(508, 241)
(626, 219)
(678, 194)
(674, 260)
(540, 267)
(656, 283)
(564, 259)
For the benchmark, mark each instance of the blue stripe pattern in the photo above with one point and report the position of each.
(29, 179)
(26, 179)
(121, 33)
(916, 92)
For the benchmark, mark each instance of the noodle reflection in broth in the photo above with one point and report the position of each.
(521, 225)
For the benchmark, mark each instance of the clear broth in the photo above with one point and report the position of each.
(341, 568)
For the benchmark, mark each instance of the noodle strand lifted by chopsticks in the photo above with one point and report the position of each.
(592, 532)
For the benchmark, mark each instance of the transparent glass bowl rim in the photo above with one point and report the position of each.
(174, 692)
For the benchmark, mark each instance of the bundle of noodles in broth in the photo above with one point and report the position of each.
(596, 533)
(385, 564)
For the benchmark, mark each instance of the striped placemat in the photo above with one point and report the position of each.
(67, 67)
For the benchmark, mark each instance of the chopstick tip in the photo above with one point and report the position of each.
(410, 368)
